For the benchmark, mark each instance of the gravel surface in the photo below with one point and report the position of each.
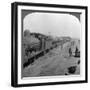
(56, 62)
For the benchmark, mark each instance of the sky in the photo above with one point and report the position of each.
(53, 24)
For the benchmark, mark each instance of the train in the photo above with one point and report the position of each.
(41, 45)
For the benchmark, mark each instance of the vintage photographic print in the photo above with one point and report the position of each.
(51, 43)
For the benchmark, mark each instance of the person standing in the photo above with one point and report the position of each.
(70, 52)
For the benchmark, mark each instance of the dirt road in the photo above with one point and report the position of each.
(53, 63)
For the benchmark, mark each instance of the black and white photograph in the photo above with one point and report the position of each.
(51, 43)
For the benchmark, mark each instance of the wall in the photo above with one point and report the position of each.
(5, 46)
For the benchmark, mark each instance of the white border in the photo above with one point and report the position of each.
(52, 78)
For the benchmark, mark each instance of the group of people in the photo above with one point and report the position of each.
(77, 52)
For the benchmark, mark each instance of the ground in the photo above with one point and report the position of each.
(56, 62)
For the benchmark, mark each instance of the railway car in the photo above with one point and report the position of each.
(30, 46)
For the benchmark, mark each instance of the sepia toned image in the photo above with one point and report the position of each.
(50, 43)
